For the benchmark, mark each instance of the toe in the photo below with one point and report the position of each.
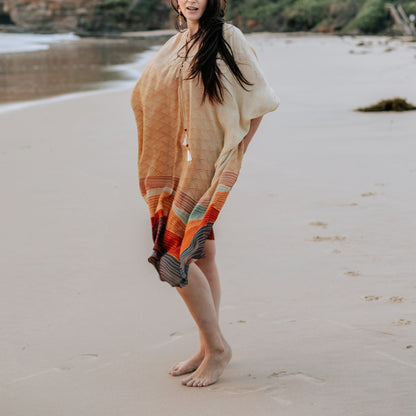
(190, 383)
(185, 380)
(173, 368)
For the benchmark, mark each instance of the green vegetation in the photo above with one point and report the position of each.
(372, 17)
(352, 16)
(145, 8)
(136, 14)
(395, 104)
(410, 7)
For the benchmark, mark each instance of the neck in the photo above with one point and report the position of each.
(192, 28)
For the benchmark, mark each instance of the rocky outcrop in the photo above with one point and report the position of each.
(4, 16)
(87, 16)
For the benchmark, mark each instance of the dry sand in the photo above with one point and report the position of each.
(316, 247)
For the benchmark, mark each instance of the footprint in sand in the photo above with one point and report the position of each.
(352, 273)
(336, 251)
(396, 299)
(368, 194)
(380, 184)
(270, 390)
(89, 356)
(358, 52)
(78, 357)
(318, 238)
(351, 204)
(298, 374)
(176, 334)
(173, 337)
(371, 298)
(319, 224)
(274, 389)
(402, 322)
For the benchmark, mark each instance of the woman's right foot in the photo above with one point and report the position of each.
(185, 367)
(210, 369)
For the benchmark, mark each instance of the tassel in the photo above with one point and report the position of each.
(185, 143)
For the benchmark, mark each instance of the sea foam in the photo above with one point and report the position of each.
(28, 42)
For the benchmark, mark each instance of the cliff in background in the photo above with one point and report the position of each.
(86, 16)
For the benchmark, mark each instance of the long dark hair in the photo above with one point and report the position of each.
(204, 64)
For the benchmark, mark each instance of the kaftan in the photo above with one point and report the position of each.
(186, 182)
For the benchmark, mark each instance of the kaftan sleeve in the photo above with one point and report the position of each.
(260, 97)
(242, 105)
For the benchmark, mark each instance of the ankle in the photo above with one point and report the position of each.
(215, 350)
(201, 351)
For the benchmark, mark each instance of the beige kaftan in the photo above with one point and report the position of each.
(186, 182)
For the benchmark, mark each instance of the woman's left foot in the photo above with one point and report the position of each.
(210, 369)
(187, 366)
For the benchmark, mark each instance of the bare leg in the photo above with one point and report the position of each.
(208, 266)
(198, 297)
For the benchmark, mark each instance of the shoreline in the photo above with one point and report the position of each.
(23, 105)
(67, 49)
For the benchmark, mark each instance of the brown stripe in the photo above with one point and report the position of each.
(228, 178)
(184, 201)
(159, 182)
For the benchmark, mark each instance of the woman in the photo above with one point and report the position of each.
(197, 106)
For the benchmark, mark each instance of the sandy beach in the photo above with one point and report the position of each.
(318, 287)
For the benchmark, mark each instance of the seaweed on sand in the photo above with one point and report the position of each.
(394, 104)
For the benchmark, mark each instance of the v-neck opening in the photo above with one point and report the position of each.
(182, 49)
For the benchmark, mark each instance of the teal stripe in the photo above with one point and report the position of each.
(183, 215)
(198, 212)
(158, 191)
(223, 188)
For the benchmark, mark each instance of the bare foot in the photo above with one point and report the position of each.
(210, 369)
(184, 367)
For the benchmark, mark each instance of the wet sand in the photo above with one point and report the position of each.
(315, 249)
(86, 64)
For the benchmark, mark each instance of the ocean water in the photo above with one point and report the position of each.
(16, 42)
(38, 67)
